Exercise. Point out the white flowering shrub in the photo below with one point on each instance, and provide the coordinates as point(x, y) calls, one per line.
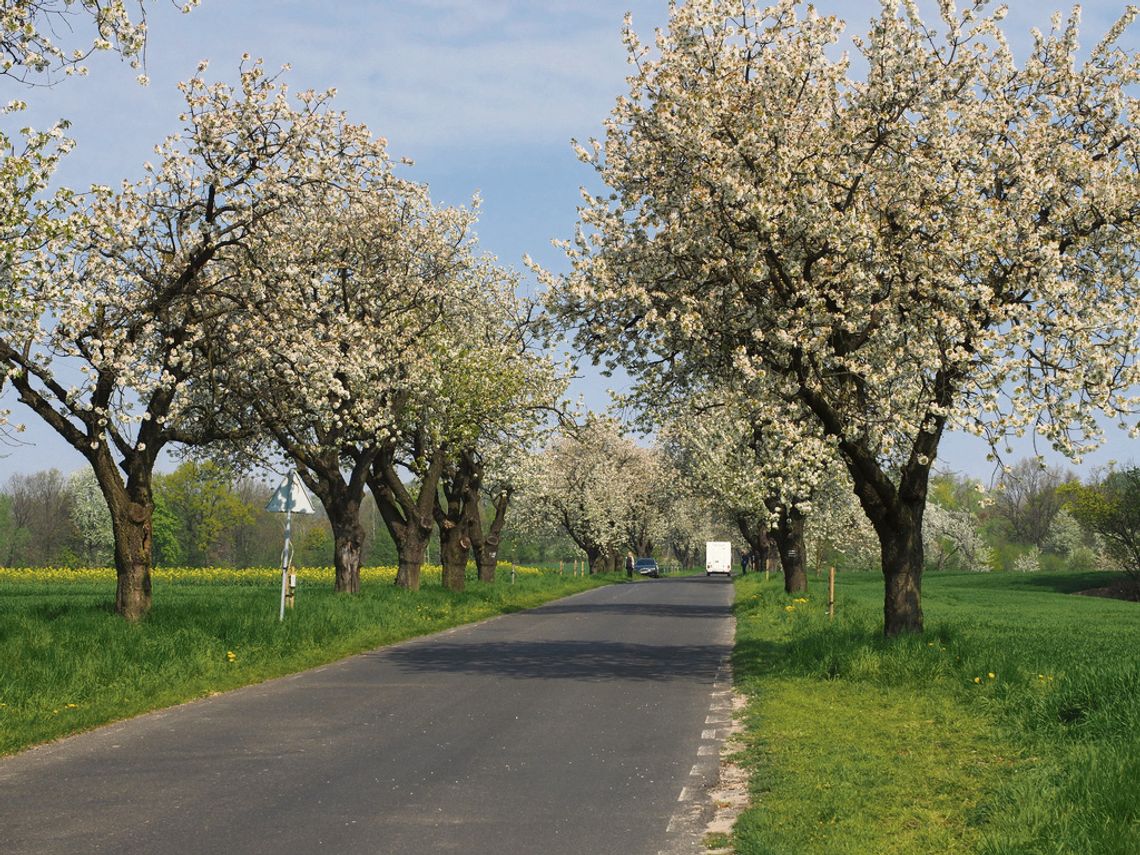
point(952, 540)
point(1028, 562)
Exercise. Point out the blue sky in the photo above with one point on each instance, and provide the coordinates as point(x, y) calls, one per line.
point(484, 96)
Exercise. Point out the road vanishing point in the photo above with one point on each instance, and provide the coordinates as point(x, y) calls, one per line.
point(588, 726)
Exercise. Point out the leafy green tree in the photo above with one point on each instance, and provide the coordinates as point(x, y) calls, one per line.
point(201, 498)
point(1110, 508)
point(10, 534)
point(167, 546)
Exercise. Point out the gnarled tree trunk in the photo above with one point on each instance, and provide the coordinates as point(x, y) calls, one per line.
point(902, 555)
point(341, 498)
point(485, 545)
point(131, 503)
point(409, 519)
point(789, 537)
point(132, 524)
point(454, 547)
point(460, 487)
point(348, 541)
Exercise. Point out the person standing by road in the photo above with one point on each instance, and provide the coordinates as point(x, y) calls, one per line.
point(629, 565)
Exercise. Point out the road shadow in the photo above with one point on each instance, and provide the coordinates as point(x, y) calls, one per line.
point(665, 610)
point(563, 660)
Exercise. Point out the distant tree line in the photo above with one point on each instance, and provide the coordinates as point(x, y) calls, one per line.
point(205, 516)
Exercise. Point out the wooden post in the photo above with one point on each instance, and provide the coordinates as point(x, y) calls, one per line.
point(559, 566)
point(831, 593)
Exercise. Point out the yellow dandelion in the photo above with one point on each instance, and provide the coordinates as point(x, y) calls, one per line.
point(231, 656)
point(991, 675)
point(789, 608)
point(977, 679)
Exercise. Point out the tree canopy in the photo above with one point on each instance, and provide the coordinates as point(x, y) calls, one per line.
point(946, 240)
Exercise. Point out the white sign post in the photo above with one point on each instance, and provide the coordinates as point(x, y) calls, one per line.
point(289, 499)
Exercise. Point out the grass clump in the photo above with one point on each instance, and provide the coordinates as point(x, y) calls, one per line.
point(1011, 726)
point(68, 663)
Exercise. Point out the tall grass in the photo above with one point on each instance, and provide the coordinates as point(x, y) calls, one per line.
point(1011, 726)
point(67, 663)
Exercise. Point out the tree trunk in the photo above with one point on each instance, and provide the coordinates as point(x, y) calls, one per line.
point(486, 545)
point(132, 520)
point(896, 514)
point(460, 488)
point(642, 546)
point(410, 562)
point(454, 547)
point(789, 536)
point(409, 519)
point(132, 523)
point(341, 498)
point(596, 558)
point(902, 555)
point(348, 539)
point(754, 530)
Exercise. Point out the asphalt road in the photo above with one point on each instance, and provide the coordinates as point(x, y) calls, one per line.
point(588, 726)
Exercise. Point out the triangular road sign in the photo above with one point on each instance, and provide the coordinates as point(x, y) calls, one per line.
point(291, 496)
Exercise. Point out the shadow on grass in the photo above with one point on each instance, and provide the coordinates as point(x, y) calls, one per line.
point(1059, 583)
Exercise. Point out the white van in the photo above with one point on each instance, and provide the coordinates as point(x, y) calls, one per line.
point(718, 558)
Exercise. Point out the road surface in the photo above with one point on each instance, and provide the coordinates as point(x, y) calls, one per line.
point(588, 726)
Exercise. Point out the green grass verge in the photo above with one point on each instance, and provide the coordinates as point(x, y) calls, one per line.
point(1011, 726)
point(68, 664)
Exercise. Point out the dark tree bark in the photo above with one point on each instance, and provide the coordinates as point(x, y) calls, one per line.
point(341, 497)
point(754, 530)
point(485, 542)
point(642, 547)
point(902, 569)
point(131, 520)
point(597, 558)
point(895, 512)
point(454, 548)
point(409, 518)
point(452, 517)
point(348, 539)
point(789, 537)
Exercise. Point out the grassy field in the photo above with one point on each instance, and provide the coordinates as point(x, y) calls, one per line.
point(68, 664)
point(1011, 726)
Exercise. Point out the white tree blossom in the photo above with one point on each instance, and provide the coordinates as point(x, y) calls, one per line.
point(30, 52)
point(123, 352)
point(948, 241)
point(952, 540)
point(91, 518)
point(581, 484)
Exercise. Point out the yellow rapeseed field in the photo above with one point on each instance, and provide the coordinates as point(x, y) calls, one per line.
point(221, 575)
